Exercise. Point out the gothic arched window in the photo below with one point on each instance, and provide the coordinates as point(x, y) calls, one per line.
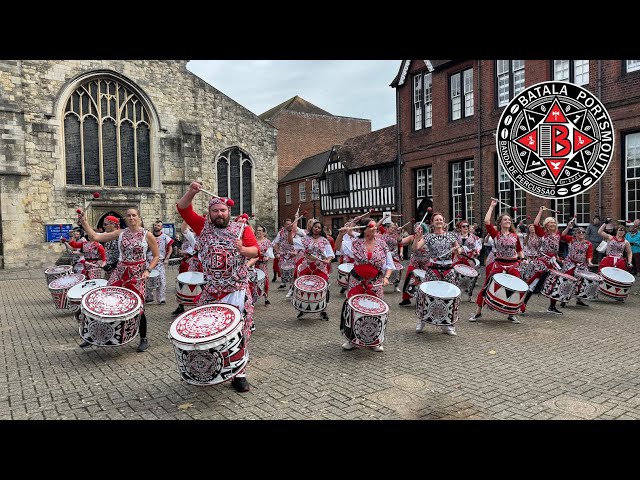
point(235, 179)
point(107, 136)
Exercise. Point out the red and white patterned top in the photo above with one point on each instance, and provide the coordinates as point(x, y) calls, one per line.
point(615, 248)
point(507, 245)
point(549, 244)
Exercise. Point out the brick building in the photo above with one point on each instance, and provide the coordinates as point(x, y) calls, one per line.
point(305, 130)
point(449, 111)
point(137, 131)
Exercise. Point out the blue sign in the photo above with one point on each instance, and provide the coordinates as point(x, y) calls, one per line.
point(169, 229)
point(55, 232)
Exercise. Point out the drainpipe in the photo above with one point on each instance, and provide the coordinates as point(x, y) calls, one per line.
point(480, 139)
point(599, 95)
point(399, 161)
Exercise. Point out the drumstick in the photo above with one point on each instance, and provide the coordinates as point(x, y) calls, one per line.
point(505, 204)
point(209, 193)
point(551, 210)
point(412, 220)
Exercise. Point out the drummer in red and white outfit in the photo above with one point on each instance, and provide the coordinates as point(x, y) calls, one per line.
point(617, 248)
point(132, 271)
point(317, 255)
point(373, 265)
point(440, 245)
point(419, 259)
point(547, 258)
point(390, 236)
point(505, 256)
point(471, 245)
point(224, 260)
point(90, 251)
point(190, 261)
point(165, 247)
point(286, 254)
point(261, 262)
point(579, 257)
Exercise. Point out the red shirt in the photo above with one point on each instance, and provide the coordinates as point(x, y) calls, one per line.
point(196, 222)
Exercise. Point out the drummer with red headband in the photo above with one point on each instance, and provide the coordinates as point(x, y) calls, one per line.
point(504, 257)
point(373, 265)
point(223, 248)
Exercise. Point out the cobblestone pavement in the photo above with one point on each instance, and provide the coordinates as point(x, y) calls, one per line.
point(581, 365)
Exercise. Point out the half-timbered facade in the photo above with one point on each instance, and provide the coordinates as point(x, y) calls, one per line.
point(360, 175)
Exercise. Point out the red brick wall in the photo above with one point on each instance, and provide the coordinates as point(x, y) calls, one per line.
point(289, 210)
point(301, 135)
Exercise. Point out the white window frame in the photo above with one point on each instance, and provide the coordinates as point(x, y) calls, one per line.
point(632, 175)
point(574, 71)
point(511, 194)
point(568, 207)
point(421, 189)
point(429, 181)
point(428, 100)
point(417, 102)
point(510, 77)
point(462, 201)
point(632, 65)
point(302, 191)
point(287, 195)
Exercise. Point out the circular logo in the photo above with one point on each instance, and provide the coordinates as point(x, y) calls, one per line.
point(555, 140)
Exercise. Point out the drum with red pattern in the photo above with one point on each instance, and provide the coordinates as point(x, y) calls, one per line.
point(587, 285)
point(310, 294)
point(209, 344)
point(437, 303)
point(505, 293)
point(416, 277)
point(365, 320)
point(57, 271)
point(465, 276)
point(344, 271)
point(61, 286)
point(616, 283)
point(558, 286)
point(75, 294)
point(189, 287)
point(111, 316)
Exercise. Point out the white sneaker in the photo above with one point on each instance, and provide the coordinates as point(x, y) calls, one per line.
point(378, 348)
point(347, 345)
point(449, 330)
point(397, 289)
point(474, 317)
point(420, 326)
point(289, 293)
point(513, 319)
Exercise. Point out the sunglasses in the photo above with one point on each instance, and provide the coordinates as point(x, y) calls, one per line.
point(463, 226)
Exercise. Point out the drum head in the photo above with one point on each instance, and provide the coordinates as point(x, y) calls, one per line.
point(67, 281)
point(511, 282)
point(111, 302)
point(310, 283)
point(440, 289)
point(345, 267)
point(260, 275)
point(594, 277)
point(419, 273)
point(206, 323)
point(78, 291)
point(466, 270)
point(368, 304)
point(616, 274)
point(58, 269)
point(192, 278)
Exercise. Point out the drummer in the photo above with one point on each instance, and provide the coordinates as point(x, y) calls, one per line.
point(505, 256)
point(190, 261)
point(440, 245)
point(373, 265)
point(390, 236)
point(417, 260)
point(316, 255)
point(261, 262)
point(471, 245)
point(580, 254)
point(617, 246)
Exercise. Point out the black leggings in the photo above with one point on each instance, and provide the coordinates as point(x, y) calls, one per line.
point(143, 326)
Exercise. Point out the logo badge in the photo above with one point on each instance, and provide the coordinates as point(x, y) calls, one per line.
point(555, 140)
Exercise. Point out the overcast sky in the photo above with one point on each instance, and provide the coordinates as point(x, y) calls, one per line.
point(348, 88)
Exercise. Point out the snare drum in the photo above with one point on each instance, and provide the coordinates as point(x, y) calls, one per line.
point(365, 320)
point(344, 271)
point(558, 286)
point(57, 271)
point(153, 281)
point(505, 293)
point(61, 286)
point(437, 303)
point(587, 285)
point(189, 287)
point(75, 294)
point(615, 283)
point(466, 277)
point(209, 344)
point(416, 277)
point(310, 293)
point(111, 316)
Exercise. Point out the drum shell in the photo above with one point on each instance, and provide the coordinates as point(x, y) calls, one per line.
point(416, 277)
point(56, 271)
point(498, 298)
point(307, 300)
point(189, 287)
point(59, 292)
point(558, 286)
point(344, 272)
point(362, 328)
point(434, 309)
point(587, 288)
point(616, 283)
point(74, 301)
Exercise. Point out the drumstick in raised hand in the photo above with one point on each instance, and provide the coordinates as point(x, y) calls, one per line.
point(412, 220)
point(551, 210)
point(505, 204)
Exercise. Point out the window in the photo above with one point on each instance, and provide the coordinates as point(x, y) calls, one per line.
point(632, 65)
point(574, 71)
point(568, 207)
point(632, 175)
point(337, 183)
point(302, 191)
point(315, 190)
point(509, 80)
point(511, 194)
point(424, 183)
point(287, 194)
point(235, 179)
point(107, 136)
point(422, 101)
point(462, 94)
point(462, 186)
point(385, 177)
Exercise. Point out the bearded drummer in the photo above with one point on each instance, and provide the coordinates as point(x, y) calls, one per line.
point(579, 257)
point(505, 256)
point(316, 255)
point(440, 245)
point(372, 265)
point(223, 248)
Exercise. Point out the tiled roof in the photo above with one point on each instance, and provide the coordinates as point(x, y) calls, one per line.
point(377, 147)
point(294, 104)
point(309, 167)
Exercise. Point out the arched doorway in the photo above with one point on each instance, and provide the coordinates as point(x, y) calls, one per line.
point(116, 214)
